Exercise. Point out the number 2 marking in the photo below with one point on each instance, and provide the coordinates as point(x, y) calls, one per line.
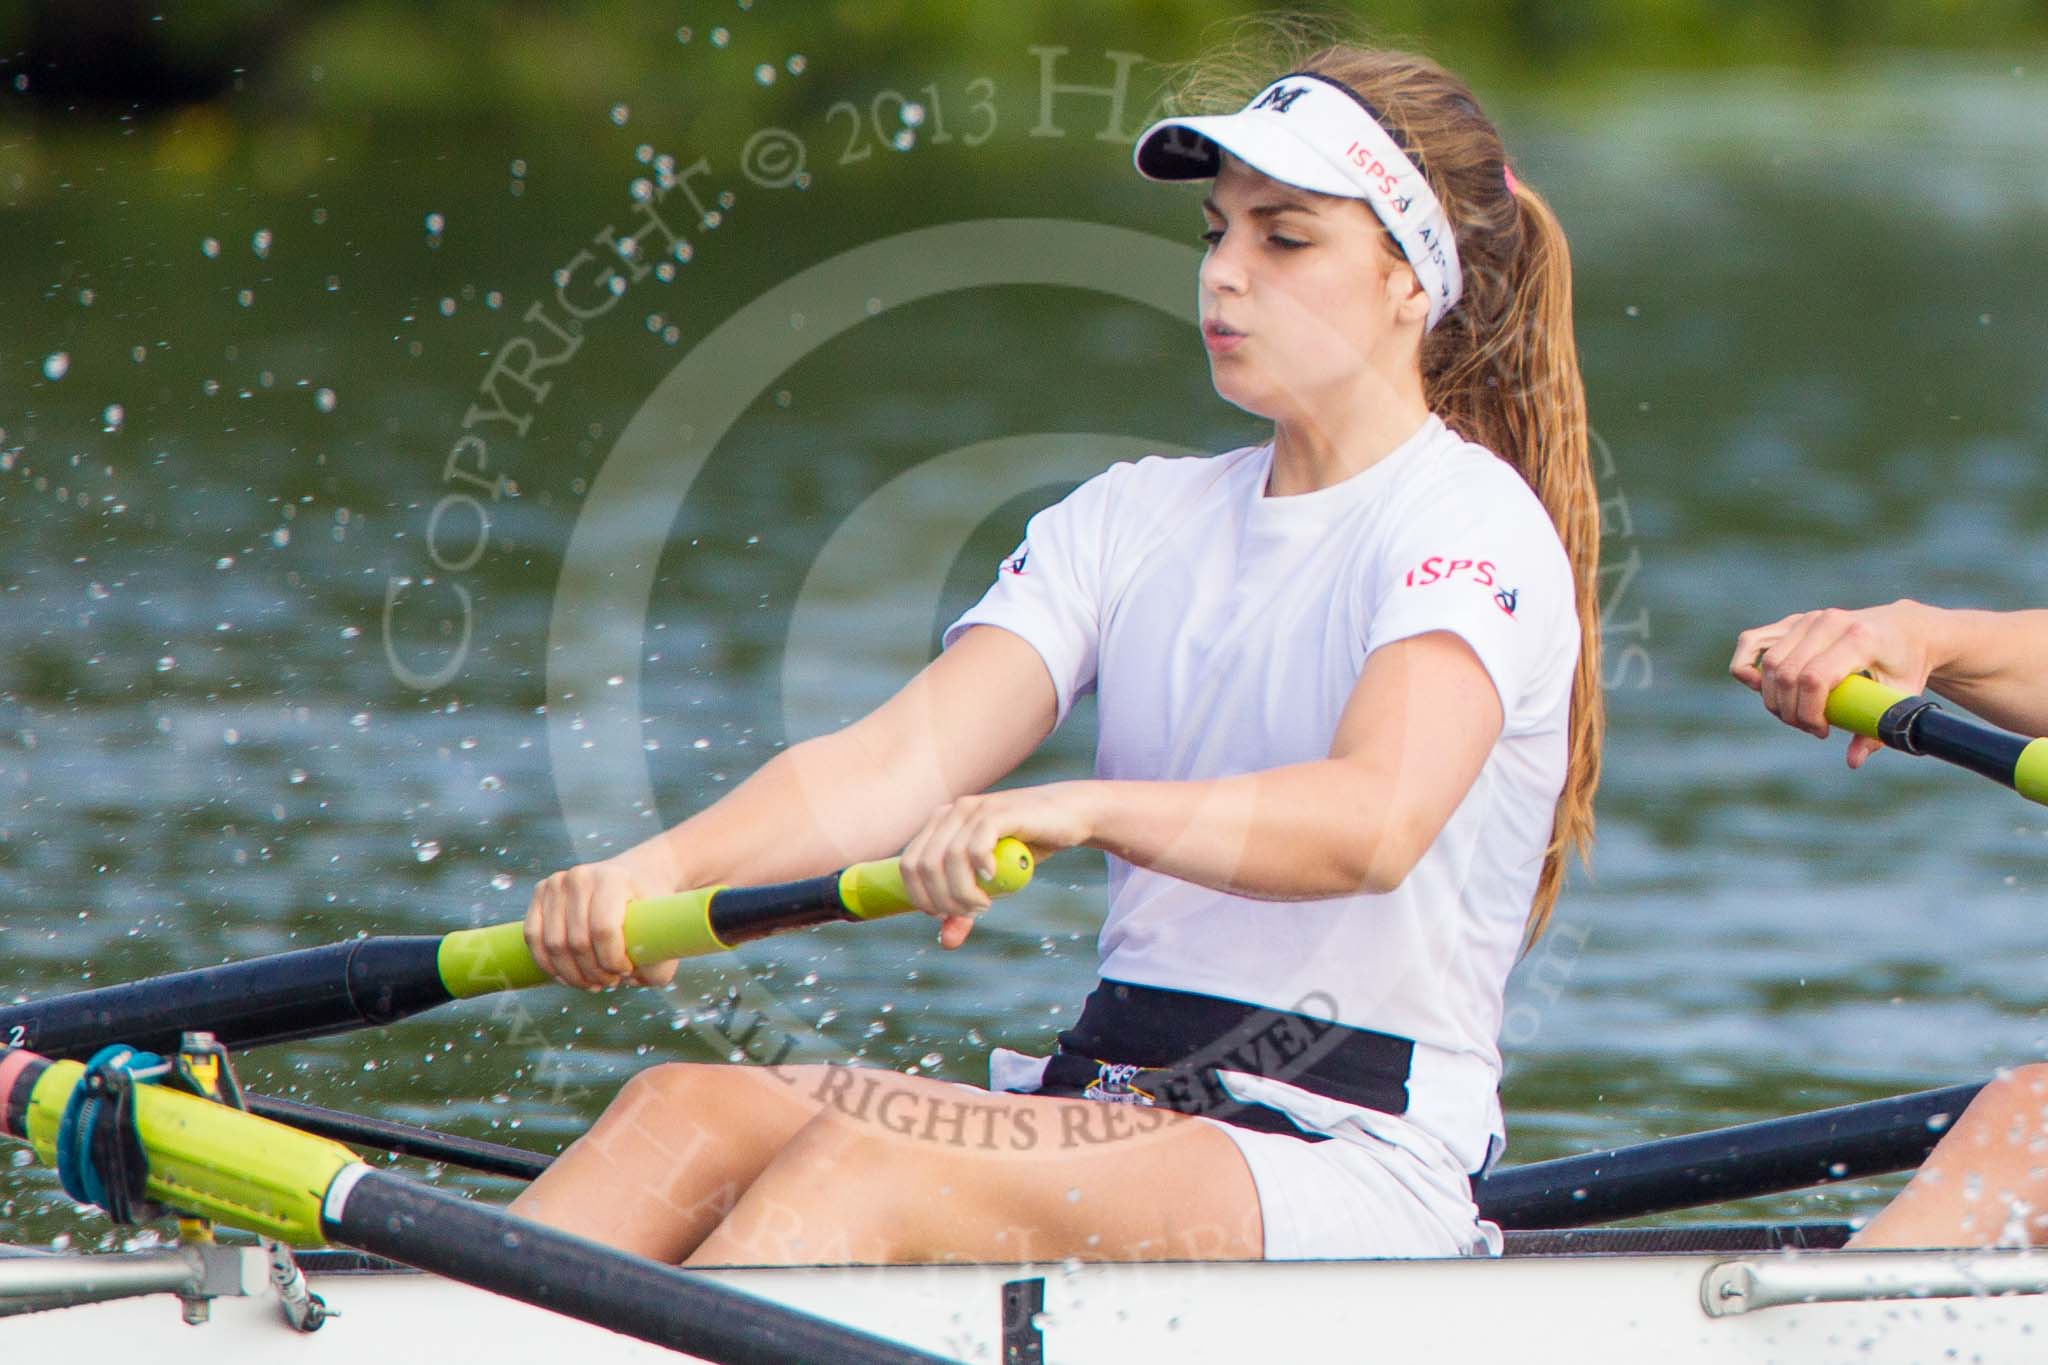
point(854, 151)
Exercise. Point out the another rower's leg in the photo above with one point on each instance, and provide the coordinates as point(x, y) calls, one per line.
point(673, 1153)
point(1985, 1183)
point(922, 1170)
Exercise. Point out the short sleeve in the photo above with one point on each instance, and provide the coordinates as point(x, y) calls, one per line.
point(1484, 563)
point(1049, 590)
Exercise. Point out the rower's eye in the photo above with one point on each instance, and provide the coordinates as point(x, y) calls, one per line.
point(1212, 236)
point(1287, 243)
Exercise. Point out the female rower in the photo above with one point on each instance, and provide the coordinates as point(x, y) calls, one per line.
point(1986, 1182)
point(1349, 726)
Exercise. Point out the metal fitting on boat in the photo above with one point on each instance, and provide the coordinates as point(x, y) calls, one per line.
point(1734, 1287)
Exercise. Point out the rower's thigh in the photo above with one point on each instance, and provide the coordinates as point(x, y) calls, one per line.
point(900, 1168)
point(680, 1112)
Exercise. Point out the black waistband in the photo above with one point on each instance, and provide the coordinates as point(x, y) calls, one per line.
point(1191, 1037)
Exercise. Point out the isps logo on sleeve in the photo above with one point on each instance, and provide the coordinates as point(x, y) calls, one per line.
point(1450, 569)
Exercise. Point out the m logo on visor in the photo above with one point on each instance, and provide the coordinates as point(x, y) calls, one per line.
point(1280, 98)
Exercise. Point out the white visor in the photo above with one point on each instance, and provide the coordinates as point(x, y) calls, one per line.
point(1310, 132)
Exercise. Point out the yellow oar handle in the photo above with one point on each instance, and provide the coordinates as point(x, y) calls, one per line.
point(1857, 702)
point(712, 919)
point(874, 890)
point(1919, 725)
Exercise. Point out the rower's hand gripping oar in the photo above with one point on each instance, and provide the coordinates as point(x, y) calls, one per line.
point(312, 992)
point(1916, 724)
point(713, 920)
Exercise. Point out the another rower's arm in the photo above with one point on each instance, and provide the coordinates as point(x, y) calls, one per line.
point(1992, 662)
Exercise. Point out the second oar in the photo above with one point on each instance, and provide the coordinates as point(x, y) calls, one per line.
point(209, 1160)
point(1916, 724)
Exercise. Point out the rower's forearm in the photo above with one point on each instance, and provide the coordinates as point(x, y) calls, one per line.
point(814, 807)
point(1302, 832)
point(1993, 662)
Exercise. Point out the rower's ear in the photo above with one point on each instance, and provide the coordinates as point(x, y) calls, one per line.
point(1410, 301)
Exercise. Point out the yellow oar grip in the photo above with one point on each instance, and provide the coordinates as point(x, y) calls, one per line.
point(2030, 773)
point(873, 890)
point(1857, 702)
point(482, 961)
point(208, 1159)
point(664, 927)
point(495, 958)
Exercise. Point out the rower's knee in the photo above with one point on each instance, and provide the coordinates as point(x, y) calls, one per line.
point(2029, 1082)
point(2016, 1101)
point(667, 1086)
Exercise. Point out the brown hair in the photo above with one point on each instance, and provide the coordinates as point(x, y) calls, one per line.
point(1501, 369)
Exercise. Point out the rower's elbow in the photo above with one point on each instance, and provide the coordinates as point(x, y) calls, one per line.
point(1343, 866)
point(1351, 841)
point(1384, 874)
point(1381, 860)
point(1335, 878)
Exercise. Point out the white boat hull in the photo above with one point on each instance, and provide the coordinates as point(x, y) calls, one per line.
point(1608, 1308)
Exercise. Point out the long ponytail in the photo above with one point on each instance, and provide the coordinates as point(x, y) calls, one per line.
point(1541, 406)
point(1502, 368)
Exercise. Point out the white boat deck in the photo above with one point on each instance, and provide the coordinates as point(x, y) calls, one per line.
point(1603, 1308)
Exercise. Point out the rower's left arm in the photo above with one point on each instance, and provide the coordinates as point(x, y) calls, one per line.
point(1412, 739)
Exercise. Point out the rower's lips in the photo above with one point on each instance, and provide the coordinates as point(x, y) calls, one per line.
point(1221, 341)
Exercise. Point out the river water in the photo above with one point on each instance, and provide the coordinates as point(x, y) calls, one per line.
point(243, 539)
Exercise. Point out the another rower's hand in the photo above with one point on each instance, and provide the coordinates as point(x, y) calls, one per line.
point(576, 927)
point(943, 865)
point(1794, 663)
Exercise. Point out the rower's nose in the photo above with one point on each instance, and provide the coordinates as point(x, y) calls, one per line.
point(1223, 269)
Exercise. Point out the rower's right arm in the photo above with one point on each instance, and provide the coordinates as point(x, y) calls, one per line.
point(968, 718)
point(1995, 663)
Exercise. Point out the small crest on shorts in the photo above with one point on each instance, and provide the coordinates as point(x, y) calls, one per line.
point(1113, 1084)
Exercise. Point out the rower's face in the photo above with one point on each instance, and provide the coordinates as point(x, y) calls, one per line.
point(1302, 295)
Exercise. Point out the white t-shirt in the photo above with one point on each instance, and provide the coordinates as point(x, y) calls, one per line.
point(1223, 631)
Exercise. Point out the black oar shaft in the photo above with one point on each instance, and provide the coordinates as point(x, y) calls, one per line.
point(312, 992)
point(1968, 744)
point(402, 1139)
point(1918, 725)
point(741, 914)
point(479, 1245)
point(300, 994)
point(1768, 1157)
